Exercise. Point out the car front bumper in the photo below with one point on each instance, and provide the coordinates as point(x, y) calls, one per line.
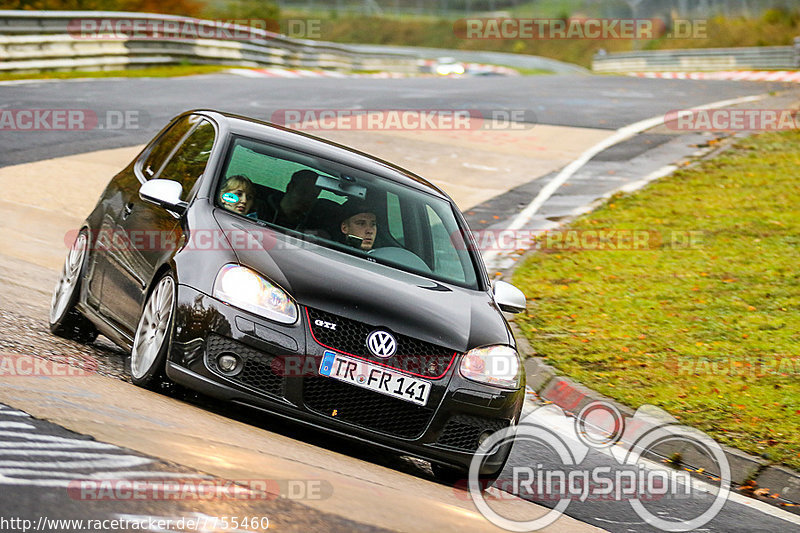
point(280, 375)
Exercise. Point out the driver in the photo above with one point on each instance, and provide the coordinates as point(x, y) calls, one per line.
point(359, 225)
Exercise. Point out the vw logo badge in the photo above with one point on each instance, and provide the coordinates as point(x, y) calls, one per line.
point(381, 343)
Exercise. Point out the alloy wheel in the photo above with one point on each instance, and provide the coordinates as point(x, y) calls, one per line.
point(153, 328)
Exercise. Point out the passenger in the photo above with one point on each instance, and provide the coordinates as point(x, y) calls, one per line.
point(292, 208)
point(238, 194)
point(359, 227)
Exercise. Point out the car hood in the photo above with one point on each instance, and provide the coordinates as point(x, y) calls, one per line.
point(349, 286)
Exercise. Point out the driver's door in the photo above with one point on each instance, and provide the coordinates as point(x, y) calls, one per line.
point(150, 231)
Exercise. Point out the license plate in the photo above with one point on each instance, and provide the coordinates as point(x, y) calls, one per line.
point(374, 377)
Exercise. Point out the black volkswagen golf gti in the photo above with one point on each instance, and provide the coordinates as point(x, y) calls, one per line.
point(280, 271)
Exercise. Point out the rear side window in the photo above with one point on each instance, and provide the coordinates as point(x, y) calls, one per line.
point(164, 145)
point(189, 161)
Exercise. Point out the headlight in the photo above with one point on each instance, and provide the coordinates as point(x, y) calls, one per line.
point(245, 289)
point(493, 365)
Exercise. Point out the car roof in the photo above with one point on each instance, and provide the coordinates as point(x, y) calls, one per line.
point(303, 142)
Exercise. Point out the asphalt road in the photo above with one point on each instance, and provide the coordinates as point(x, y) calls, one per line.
point(578, 101)
point(54, 480)
point(606, 102)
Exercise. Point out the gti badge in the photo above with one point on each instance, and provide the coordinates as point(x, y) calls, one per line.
point(324, 324)
point(381, 343)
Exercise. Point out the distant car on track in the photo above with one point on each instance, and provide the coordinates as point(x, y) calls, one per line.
point(402, 345)
point(448, 66)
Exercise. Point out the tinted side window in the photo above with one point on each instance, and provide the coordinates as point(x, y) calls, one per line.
point(395, 217)
point(164, 145)
point(189, 161)
point(446, 258)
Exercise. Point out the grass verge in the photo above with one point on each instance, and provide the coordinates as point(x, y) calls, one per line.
point(709, 330)
point(774, 27)
point(150, 72)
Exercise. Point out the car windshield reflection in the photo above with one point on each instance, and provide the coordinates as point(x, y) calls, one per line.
point(346, 209)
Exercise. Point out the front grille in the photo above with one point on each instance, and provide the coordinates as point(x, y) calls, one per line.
point(365, 408)
point(257, 373)
point(462, 431)
point(350, 336)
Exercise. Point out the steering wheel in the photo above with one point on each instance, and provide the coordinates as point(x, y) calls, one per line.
point(401, 256)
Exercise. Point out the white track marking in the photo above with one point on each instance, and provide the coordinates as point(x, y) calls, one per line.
point(26, 445)
point(20, 425)
point(109, 461)
point(493, 257)
point(71, 458)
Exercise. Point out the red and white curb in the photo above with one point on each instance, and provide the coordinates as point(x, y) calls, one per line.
point(732, 75)
point(298, 73)
point(472, 69)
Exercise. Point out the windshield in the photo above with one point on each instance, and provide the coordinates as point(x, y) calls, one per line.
point(345, 209)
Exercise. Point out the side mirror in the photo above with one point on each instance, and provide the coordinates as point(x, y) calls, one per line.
point(508, 298)
point(164, 193)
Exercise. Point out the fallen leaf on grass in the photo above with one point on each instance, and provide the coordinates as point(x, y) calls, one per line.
point(748, 485)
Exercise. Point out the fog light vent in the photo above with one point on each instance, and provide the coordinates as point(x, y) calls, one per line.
point(483, 436)
point(229, 363)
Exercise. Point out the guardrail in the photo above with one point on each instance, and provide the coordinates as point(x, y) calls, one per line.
point(47, 40)
point(701, 59)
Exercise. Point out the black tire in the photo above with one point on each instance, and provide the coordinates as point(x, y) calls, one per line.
point(456, 476)
point(153, 335)
point(450, 475)
point(65, 320)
